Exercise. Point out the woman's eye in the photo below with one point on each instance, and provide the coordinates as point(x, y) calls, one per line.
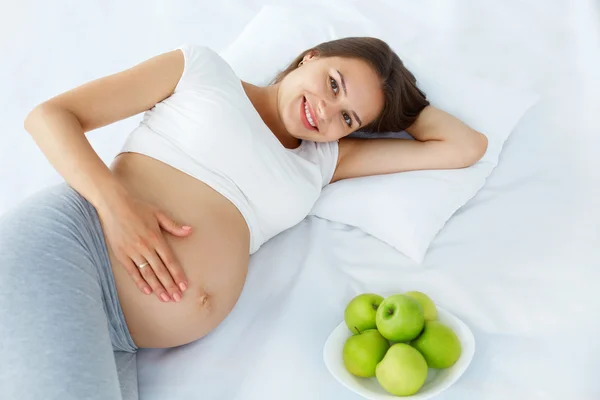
point(334, 85)
point(347, 119)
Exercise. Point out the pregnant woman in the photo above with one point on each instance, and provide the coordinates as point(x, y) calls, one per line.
point(153, 251)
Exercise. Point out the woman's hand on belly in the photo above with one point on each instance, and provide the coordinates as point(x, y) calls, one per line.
point(132, 229)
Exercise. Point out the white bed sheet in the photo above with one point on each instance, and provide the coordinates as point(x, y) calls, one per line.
point(519, 263)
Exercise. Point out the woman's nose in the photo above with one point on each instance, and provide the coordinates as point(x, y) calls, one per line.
point(325, 110)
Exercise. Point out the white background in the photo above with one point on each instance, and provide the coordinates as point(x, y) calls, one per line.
point(519, 263)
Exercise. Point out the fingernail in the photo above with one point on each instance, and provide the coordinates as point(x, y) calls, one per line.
point(176, 296)
point(147, 290)
point(183, 286)
point(164, 297)
point(187, 228)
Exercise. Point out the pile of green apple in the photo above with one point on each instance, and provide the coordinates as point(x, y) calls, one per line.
point(396, 340)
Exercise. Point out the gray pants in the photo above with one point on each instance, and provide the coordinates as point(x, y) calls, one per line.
point(62, 330)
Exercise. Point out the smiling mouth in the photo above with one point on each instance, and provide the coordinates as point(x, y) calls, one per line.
point(307, 117)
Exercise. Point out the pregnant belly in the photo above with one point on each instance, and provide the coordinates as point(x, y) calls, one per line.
point(214, 256)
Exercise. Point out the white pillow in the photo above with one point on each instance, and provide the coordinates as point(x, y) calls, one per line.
point(408, 209)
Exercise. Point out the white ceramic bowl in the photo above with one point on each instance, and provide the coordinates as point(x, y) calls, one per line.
point(437, 381)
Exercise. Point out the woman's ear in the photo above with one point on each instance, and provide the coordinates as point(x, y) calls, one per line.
point(309, 56)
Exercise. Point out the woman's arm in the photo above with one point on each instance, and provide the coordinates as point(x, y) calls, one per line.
point(442, 142)
point(58, 125)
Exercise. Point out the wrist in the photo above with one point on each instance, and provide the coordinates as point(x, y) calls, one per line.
point(109, 196)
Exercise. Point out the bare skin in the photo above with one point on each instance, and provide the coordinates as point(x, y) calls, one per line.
point(214, 256)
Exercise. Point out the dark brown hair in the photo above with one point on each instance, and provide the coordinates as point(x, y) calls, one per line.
point(403, 99)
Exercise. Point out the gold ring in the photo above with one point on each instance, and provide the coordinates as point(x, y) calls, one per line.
point(143, 265)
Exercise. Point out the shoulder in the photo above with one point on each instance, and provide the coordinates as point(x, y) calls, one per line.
point(193, 52)
point(202, 62)
point(325, 155)
point(323, 149)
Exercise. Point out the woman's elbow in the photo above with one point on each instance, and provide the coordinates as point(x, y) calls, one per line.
point(474, 150)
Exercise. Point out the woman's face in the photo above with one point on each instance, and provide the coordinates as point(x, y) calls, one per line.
point(328, 98)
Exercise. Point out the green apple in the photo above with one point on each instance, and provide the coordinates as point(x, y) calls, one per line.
point(400, 318)
point(403, 370)
point(429, 309)
point(362, 352)
point(439, 345)
point(361, 311)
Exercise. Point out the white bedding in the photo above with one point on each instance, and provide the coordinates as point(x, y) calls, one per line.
point(520, 263)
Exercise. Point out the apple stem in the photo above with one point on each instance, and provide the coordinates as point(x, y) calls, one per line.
point(357, 330)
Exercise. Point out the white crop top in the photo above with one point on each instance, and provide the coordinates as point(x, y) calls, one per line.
point(209, 129)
